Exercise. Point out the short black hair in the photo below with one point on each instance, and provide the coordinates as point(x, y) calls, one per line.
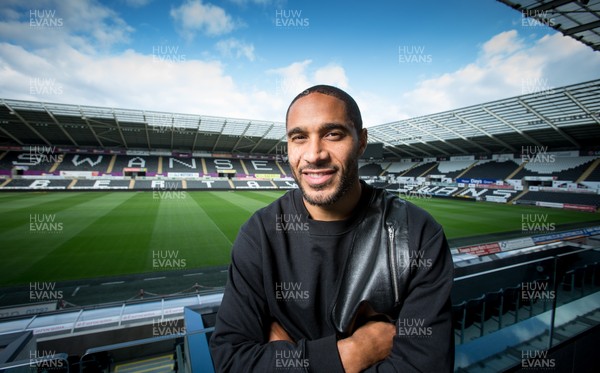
point(352, 110)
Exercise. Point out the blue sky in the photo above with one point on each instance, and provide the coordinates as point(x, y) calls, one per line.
point(248, 58)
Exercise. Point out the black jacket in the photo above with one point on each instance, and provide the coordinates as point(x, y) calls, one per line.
point(398, 268)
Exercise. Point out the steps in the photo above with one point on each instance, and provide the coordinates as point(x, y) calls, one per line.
point(159, 364)
point(589, 170)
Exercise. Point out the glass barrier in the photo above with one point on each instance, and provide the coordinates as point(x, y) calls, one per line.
point(511, 316)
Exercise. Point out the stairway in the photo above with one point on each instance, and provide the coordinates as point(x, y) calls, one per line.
point(159, 364)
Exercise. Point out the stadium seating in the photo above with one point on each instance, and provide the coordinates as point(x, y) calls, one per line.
point(150, 163)
point(595, 175)
point(563, 168)
point(419, 170)
point(262, 166)
point(214, 166)
point(398, 168)
point(558, 197)
point(38, 184)
point(85, 162)
point(208, 184)
point(182, 165)
point(371, 169)
point(252, 184)
point(494, 170)
point(101, 184)
point(450, 169)
point(30, 160)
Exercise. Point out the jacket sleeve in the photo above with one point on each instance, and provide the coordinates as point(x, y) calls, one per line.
point(424, 340)
point(240, 340)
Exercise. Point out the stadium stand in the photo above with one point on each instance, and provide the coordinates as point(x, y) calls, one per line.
point(170, 185)
point(558, 197)
point(101, 184)
point(450, 169)
point(419, 169)
point(147, 162)
point(285, 183)
point(218, 184)
point(262, 166)
point(216, 166)
point(594, 175)
point(31, 161)
point(563, 168)
point(183, 165)
point(85, 162)
point(490, 169)
point(371, 169)
point(252, 184)
point(398, 168)
point(37, 184)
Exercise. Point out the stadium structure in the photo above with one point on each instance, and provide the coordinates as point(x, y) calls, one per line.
point(523, 299)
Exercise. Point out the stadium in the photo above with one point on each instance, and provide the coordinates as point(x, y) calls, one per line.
point(117, 224)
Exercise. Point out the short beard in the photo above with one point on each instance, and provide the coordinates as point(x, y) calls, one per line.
point(347, 180)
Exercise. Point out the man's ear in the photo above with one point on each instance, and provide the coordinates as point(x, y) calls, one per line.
point(362, 142)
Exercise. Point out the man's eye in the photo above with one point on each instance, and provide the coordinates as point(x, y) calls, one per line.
point(334, 135)
point(298, 137)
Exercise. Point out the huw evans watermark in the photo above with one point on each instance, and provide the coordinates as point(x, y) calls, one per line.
point(536, 154)
point(414, 194)
point(167, 327)
point(537, 291)
point(44, 291)
point(290, 18)
point(44, 87)
point(413, 54)
point(45, 223)
point(416, 259)
point(290, 291)
point(281, 154)
point(44, 18)
point(168, 259)
point(290, 359)
point(537, 360)
point(536, 223)
point(167, 190)
point(44, 154)
point(45, 361)
point(539, 86)
point(537, 18)
point(290, 223)
point(167, 53)
point(413, 327)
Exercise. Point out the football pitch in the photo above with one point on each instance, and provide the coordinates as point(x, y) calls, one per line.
point(58, 236)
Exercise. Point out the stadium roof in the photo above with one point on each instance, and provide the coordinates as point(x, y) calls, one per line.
point(567, 117)
point(578, 19)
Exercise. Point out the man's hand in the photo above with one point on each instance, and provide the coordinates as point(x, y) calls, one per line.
point(369, 344)
point(278, 333)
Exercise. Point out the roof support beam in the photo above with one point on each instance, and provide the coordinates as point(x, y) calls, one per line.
point(458, 134)
point(464, 120)
point(437, 137)
point(60, 126)
point(595, 117)
point(549, 122)
point(502, 120)
point(27, 124)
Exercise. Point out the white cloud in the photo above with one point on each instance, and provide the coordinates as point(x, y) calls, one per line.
point(233, 48)
point(193, 16)
point(507, 67)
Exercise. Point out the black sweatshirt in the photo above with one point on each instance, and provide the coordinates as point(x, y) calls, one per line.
point(285, 267)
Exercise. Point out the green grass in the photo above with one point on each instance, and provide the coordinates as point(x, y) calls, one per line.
point(97, 234)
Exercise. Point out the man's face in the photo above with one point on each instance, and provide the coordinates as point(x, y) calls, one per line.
point(323, 148)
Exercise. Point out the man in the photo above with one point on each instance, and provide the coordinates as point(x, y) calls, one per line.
point(336, 276)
